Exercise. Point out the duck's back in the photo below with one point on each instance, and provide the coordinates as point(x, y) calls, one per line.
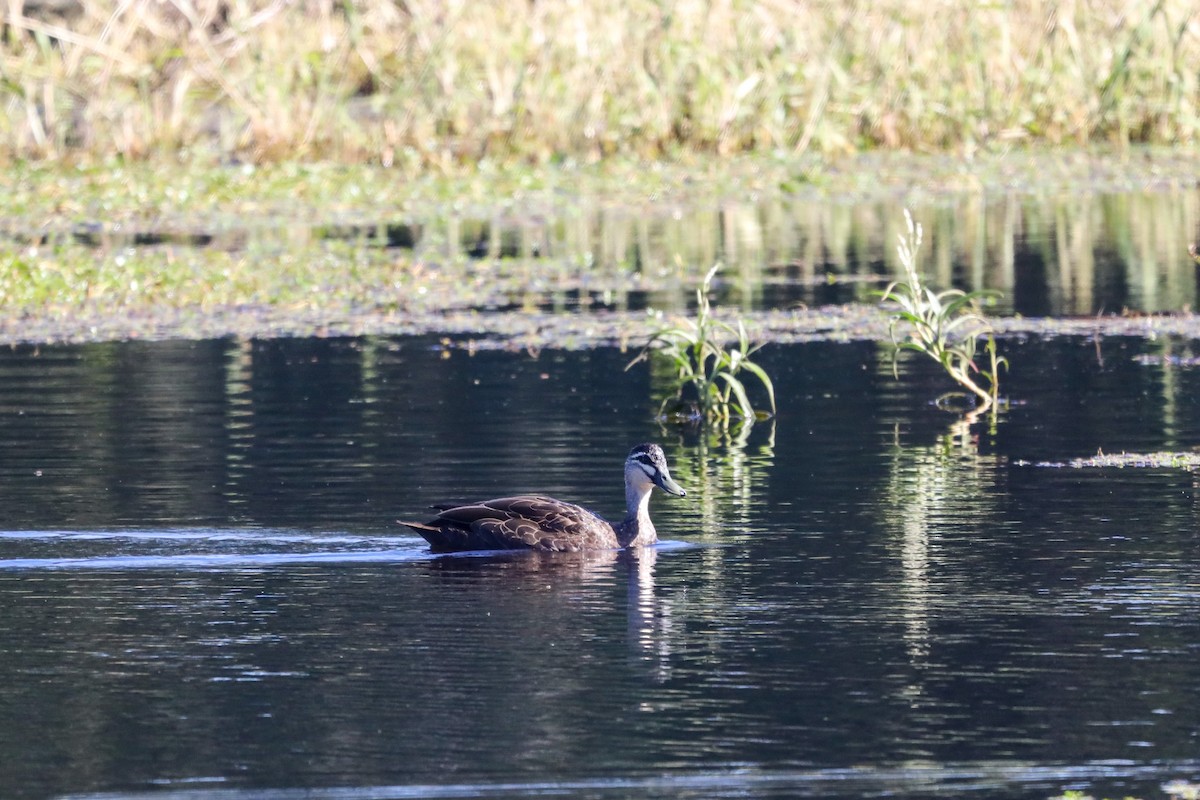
point(522, 522)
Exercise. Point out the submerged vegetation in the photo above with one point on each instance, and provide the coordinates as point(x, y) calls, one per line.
point(945, 326)
point(1185, 460)
point(433, 83)
point(709, 383)
point(1174, 790)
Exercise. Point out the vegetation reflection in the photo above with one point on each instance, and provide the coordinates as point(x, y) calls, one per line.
point(945, 484)
point(727, 467)
point(427, 262)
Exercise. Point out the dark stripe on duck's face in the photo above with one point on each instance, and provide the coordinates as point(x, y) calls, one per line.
point(654, 465)
point(649, 455)
point(651, 471)
point(646, 461)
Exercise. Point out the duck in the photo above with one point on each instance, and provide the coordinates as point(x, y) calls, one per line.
point(537, 522)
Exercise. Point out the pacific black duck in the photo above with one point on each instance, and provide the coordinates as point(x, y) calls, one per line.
point(535, 522)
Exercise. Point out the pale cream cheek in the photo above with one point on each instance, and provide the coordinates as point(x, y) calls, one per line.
point(638, 477)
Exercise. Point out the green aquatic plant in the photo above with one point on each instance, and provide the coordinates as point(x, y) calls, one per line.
point(946, 326)
point(1175, 790)
point(709, 383)
point(1165, 459)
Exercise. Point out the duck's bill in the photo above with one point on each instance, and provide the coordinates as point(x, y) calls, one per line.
point(669, 486)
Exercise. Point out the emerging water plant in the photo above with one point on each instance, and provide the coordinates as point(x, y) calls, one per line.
point(946, 326)
point(1165, 459)
point(706, 367)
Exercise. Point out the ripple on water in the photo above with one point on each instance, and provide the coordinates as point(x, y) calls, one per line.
point(984, 780)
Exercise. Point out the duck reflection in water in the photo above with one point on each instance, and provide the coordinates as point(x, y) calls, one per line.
point(536, 522)
point(555, 587)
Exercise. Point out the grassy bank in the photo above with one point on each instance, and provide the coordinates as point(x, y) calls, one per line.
point(433, 83)
point(138, 251)
point(136, 236)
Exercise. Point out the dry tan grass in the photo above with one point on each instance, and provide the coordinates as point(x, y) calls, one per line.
point(429, 82)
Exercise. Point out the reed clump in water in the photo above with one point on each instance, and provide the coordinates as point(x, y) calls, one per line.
point(945, 326)
point(430, 83)
point(709, 385)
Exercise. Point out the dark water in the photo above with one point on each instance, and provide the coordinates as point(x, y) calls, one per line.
point(203, 593)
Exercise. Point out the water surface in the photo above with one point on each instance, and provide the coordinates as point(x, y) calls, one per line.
point(205, 594)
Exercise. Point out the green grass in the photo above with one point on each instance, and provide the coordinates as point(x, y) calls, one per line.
point(428, 83)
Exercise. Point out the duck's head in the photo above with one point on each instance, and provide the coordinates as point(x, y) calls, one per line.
point(646, 466)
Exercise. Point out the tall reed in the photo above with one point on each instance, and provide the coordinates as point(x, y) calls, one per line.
point(439, 82)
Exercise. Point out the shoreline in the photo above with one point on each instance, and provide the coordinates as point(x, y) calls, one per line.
point(96, 254)
point(472, 331)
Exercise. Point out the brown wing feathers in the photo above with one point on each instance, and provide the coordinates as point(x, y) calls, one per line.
point(526, 521)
